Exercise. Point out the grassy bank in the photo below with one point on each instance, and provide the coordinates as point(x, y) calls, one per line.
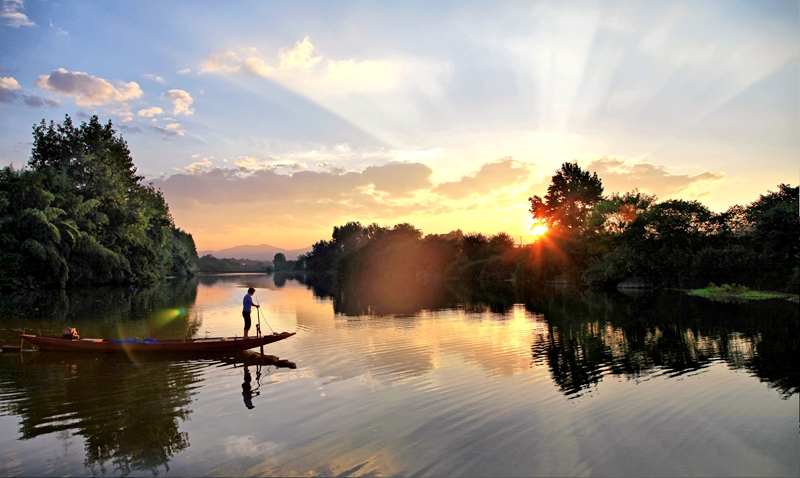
point(729, 292)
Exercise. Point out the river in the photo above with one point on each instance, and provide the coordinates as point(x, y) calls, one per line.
point(449, 382)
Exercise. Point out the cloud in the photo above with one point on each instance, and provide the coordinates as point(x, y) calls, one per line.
point(221, 185)
point(153, 77)
point(9, 90)
point(184, 71)
point(505, 173)
point(39, 102)
point(256, 67)
point(10, 12)
point(88, 90)
point(618, 176)
point(301, 56)
point(150, 112)
point(299, 68)
point(130, 129)
point(199, 166)
point(181, 101)
point(226, 62)
point(175, 131)
point(399, 179)
point(247, 162)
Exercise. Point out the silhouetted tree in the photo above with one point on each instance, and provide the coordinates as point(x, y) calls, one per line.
point(571, 194)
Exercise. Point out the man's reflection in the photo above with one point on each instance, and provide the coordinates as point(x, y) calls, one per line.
point(247, 390)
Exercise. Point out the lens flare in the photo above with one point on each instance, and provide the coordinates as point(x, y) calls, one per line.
point(538, 229)
point(164, 317)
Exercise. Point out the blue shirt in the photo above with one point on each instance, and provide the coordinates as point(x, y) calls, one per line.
point(247, 303)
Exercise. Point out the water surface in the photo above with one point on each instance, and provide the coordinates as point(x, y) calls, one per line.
point(448, 382)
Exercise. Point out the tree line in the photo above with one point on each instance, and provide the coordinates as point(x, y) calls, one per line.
point(591, 239)
point(80, 215)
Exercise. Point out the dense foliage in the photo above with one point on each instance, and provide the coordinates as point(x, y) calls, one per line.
point(80, 215)
point(591, 239)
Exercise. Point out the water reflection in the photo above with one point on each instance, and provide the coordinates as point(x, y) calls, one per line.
point(395, 379)
point(591, 334)
point(128, 415)
point(110, 312)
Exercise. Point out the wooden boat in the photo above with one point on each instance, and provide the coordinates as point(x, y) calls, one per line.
point(217, 344)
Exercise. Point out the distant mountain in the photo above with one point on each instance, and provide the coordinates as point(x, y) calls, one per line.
point(263, 252)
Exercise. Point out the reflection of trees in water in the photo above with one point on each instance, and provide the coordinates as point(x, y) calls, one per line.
point(591, 335)
point(129, 415)
point(108, 303)
point(384, 298)
point(100, 307)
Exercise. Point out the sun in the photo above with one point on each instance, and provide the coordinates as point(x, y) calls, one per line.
point(538, 229)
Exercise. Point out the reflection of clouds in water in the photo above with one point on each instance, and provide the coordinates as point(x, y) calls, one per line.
point(244, 446)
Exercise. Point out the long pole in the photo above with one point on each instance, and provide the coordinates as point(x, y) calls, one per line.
point(258, 329)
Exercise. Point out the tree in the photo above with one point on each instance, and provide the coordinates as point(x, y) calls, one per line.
point(776, 235)
point(500, 244)
point(475, 246)
point(279, 261)
point(571, 194)
point(80, 214)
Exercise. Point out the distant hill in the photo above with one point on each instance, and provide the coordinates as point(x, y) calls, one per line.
point(263, 252)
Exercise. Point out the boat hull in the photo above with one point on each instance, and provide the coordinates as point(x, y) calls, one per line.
point(218, 344)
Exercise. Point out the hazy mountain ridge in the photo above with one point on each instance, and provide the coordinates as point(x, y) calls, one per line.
point(262, 252)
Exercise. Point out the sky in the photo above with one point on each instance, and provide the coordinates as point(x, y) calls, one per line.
point(272, 122)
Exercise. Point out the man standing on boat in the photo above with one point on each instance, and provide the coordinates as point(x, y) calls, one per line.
point(247, 303)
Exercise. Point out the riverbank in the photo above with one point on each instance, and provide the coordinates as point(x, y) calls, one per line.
point(735, 292)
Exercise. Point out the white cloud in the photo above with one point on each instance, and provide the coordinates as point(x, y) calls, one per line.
point(247, 162)
point(11, 91)
point(169, 131)
point(153, 77)
point(184, 71)
point(225, 62)
point(150, 112)
point(200, 166)
point(8, 90)
point(181, 101)
point(10, 12)
point(299, 69)
point(301, 56)
point(88, 90)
